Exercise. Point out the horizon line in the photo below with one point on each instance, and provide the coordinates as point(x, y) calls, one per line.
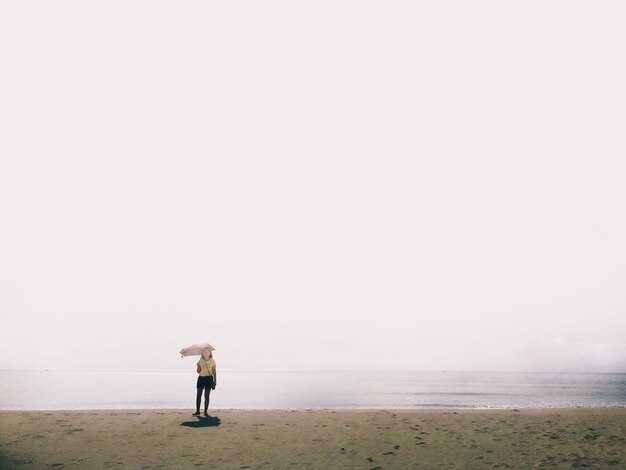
point(323, 370)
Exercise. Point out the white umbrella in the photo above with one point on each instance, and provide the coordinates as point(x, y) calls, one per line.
point(195, 349)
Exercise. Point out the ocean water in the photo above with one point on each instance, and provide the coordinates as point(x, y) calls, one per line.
point(247, 389)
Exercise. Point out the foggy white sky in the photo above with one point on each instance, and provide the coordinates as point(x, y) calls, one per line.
point(322, 184)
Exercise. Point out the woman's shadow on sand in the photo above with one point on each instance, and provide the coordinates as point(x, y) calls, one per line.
point(202, 422)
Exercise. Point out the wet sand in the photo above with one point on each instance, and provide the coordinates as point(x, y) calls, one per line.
point(326, 439)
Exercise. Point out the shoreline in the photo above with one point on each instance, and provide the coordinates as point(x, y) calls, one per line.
point(311, 438)
point(364, 408)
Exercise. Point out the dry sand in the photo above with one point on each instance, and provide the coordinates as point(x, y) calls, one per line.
point(234, 439)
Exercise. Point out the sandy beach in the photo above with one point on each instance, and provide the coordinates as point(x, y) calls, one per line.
point(378, 439)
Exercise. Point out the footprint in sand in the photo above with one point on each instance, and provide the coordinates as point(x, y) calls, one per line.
point(72, 431)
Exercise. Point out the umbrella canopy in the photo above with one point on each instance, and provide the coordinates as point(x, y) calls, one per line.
point(195, 349)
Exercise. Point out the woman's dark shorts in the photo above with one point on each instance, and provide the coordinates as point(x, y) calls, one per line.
point(205, 382)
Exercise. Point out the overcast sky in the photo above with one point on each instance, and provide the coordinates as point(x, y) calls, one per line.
point(320, 184)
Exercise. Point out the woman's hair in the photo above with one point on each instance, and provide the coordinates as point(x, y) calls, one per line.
point(210, 353)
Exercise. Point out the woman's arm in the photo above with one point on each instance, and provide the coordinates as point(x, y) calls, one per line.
point(214, 376)
point(198, 369)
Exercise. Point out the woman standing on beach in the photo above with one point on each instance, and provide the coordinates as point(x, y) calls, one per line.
point(207, 380)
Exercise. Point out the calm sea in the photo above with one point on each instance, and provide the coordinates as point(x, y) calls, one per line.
point(110, 389)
